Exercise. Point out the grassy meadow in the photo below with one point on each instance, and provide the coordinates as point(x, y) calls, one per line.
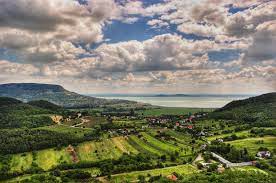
point(253, 144)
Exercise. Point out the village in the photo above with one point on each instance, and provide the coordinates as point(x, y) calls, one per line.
point(115, 126)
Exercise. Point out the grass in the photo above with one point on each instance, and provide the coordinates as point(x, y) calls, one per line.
point(143, 146)
point(253, 144)
point(171, 111)
point(123, 145)
point(21, 162)
point(105, 149)
point(250, 169)
point(77, 132)
point(162, 146)
point(45, 159)
point(87, 152)
point(239, 134)
point(133, 176)
point(50, 158)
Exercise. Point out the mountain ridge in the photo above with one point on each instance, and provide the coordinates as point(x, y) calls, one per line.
point(56, 94)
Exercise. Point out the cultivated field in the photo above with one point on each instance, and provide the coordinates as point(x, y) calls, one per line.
point(253, 144)
point(133, 176)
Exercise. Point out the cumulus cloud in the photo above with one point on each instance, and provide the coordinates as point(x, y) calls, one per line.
point(165, 52)
point(8, 68)
point(264, 43)
point(55, 40)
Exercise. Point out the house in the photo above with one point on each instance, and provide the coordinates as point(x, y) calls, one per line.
point(263, 154)
point(205, 165)
point(221, 169)
point(220, 140)
point(172, 177)
point(202, 133)
point(79, 115)
point(203, 147)
point(190, 127)
point(145, 127)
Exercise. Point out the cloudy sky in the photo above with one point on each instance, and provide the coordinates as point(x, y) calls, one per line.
point(140, 46)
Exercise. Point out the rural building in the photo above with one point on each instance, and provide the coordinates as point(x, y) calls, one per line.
point(264, 154)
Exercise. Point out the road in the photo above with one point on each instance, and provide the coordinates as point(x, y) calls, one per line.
point(229, 164)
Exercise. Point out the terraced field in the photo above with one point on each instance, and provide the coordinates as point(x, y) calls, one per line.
point(45, 159)
point(109, 148)
point(106, 149)
point(143, 146)
point(88, 151)
point(133, 176)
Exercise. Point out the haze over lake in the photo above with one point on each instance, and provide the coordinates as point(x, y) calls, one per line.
point(192, 101)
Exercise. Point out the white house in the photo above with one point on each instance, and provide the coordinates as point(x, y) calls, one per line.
point(264, 154)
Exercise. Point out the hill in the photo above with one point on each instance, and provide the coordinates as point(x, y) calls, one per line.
point(45, 105)
point(55, 94)
point(16, 114)
point(5, 101)
point(249, 110)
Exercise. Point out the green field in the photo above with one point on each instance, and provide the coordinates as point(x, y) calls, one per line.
point(253, 144)
point(250, 169)
point(172, 111)
point(239, 134)
point(45, 159)
point(133, 176)
point(77, 132)
point(142, 146)
point(89, 151)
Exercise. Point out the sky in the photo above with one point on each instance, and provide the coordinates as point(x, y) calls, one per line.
point(140, 46)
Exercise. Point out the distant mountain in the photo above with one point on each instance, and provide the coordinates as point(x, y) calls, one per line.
point(55, 94)
point(251, 109)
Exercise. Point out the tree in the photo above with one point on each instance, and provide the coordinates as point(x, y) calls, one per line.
point(142, 179)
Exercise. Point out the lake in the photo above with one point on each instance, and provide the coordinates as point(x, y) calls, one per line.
point(191, 101)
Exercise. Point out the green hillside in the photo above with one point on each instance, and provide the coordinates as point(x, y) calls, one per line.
point(253, 109)
point(45, 105)
point(6, 101)
point(15, 114)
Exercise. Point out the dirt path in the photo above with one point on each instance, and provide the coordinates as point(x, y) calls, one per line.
point(198, 158)
point(82, 122)
point(71, 150)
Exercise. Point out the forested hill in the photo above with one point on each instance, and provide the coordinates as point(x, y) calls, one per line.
point(16, 114)
point(251, 109)
point(55, 94)
point(6, 101)
point(45, 105)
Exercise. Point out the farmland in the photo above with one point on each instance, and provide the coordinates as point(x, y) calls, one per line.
point(253, 144)
point(133, 176)
point(129, 145)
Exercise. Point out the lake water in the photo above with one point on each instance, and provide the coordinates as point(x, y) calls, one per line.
point(199, 101)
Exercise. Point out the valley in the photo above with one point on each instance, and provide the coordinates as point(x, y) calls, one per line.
point(42, 142)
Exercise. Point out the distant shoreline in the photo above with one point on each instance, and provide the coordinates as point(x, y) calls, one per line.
point(170, 95)
point(184, 101)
